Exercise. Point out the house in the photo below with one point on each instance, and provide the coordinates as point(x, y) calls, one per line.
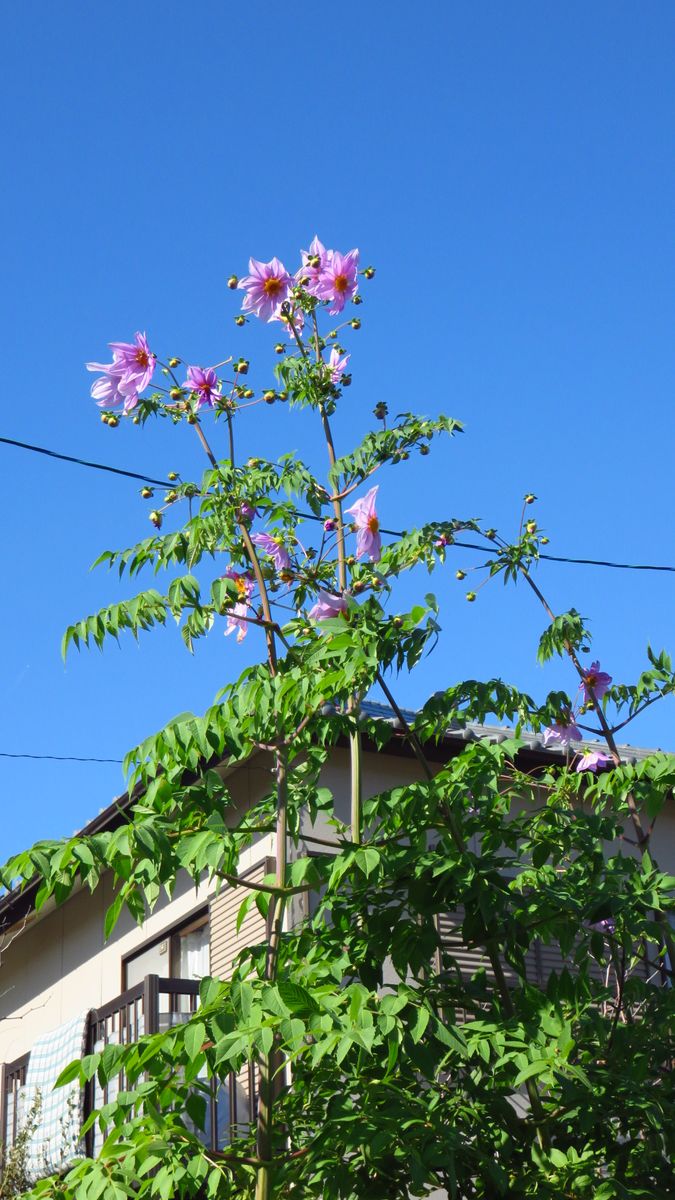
point(65, 990)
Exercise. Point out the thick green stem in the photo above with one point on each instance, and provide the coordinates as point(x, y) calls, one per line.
point(270, 1066)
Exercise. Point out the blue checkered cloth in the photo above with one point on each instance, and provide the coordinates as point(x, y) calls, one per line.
point(55, 1144)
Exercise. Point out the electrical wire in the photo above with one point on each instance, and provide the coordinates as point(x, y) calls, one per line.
point(559, 558)
point(60, 757)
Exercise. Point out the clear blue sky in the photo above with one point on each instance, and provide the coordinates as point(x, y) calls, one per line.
point(509, 170)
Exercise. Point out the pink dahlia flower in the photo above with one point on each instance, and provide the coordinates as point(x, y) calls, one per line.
point(368, 540)
point(593, 760)
point(235, 618)
point(266, 288)
point(273, 547)
point(128, 374)
point(338, 281)
point(337, 365)
point(327, 605)
point(561, 734)
point(205, 383)
point(313, 273)
point(596, 682)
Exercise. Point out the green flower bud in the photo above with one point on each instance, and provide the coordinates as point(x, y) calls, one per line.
point(355, 323)
point(176, 393)
point(174, 362)
point(279, 348)
point(171, 497)
point(146, 493)
point(356, 299)
point(248, 393)
point(369, 272)
point(471, 596)
point(530, 498)
point(240, 319)
point(531, 527)
point(269, 397)
point(241, 367)
point(232, 282)
point(156, 518)
point(491, 534)
point(424, 449)
point(460, 575)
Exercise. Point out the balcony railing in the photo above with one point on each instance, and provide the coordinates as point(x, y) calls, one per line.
point(151, 1006)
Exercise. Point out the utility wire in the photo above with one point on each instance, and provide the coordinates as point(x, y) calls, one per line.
point(559, 558)
point(82, 462)
point(60, 757)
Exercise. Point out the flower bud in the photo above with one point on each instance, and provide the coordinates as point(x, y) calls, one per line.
point(104, 418)
point(113, 421)
point(332, 334)
point(240, 320)
point(165, 371)
point(282, 395)
point(544, 541)
point(156, 518)
point(491, 534)
point(191, 419)
point(248, 393)
point(146, 493)
point(358, 586)
point(171, 497)
point(346, 380)
point(241, 367)
point(232, 282)
point(174, 362)
point(471, 596)
point(253, 462)
point(530, 498)
point(424, 449)
point(172, 476)
point(355, 323)
point(397, 622)
point(313, 260)
point(405, 455)
point(531, 527)
point(279, 348)
point(136, 419)
point(350, 560)
point(176, 393)
point(329, 525)
point(269, 397)
point(356, 299)
point(369, 272)
point(460, 575)
point(380, 410)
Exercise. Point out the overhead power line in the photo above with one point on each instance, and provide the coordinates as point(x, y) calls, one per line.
point(60, 757)
point(559, 558)
point(83, 462)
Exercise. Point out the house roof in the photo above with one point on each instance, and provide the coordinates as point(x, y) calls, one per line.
point(15, 905)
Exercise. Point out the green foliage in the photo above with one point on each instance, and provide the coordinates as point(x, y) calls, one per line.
point(474, 998)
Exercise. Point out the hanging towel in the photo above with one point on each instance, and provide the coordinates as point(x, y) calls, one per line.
point(55, 1143)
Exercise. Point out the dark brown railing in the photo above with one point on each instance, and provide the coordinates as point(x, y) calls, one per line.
point(151, 1006)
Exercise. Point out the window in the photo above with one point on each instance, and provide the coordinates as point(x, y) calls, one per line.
point(178, 953)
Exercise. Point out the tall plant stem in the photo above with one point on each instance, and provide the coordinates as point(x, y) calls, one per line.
point(268, 1075)
point(355, 749)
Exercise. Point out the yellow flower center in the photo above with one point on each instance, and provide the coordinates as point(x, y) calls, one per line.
point(142, 357)
point(241, 589)
point(373, 524)
point(341, 283)
point(272, 286)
